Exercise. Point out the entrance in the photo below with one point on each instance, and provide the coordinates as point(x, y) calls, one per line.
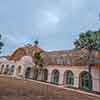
point(55, 77)
point(85, 81)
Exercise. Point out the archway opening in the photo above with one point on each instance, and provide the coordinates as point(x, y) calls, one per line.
point(55, 77)
point(12, 70)
point(19, 69)
point(35, 75)
point(28, 73)
point(1, 69)
point(85, 81)
point(45, 72)
point(69, 78)
point(6, 69)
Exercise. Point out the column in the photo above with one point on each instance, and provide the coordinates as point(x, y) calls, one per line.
point(76, 80)
point(61, 77)
point(49, 75)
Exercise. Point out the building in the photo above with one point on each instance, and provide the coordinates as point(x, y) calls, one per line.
point(67, 68)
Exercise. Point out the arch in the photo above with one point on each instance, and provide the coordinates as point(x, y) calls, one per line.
point(55, 77)
point(85, 80)
point(35, 75)
point(6, 71)
point(28, 72)
point(12, 69)
point(19, 69)
point(45, 72)
point(68, 78)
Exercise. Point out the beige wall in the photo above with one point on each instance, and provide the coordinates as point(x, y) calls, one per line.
point(76, 70)
point(96, 78)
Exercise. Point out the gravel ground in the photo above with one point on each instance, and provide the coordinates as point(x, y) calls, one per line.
point(11, 89)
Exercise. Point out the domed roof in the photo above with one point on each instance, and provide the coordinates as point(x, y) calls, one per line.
point(26, 60)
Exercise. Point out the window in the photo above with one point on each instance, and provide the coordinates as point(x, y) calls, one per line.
point(62, 60)
point(58, 60)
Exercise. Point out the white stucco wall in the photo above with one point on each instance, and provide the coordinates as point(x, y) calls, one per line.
point(96, 78)
point(75, 69)
point(95, 73)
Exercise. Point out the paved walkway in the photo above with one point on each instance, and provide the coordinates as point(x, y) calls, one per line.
point(33, 90)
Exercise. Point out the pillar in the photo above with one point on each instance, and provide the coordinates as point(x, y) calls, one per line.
point(49, 75)
point(76, 80)
point(61, 77)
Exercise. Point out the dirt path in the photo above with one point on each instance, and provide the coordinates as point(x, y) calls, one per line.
point(11, 89)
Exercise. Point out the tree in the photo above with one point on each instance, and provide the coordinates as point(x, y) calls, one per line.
point(37, 56)
point(1, 43)
point(89, 40)
point(38, 59)
point(39, 64)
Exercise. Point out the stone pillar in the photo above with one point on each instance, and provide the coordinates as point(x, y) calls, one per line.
point(31, 74)
point(96, 84)
point(49, 75)
point(61, 77)
point(40, 75)
point(15, 72)
point(4, 69)
point(76, 80)
point(21, 75)
point(96, 79)
point(23, 72)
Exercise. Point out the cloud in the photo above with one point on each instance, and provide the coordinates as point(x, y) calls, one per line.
point(50, 21)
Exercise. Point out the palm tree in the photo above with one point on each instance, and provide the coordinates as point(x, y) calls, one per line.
point(90, 41)
point(39, 64)
point(37, 56)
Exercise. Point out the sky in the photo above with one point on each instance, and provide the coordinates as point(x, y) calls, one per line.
point(56, 24)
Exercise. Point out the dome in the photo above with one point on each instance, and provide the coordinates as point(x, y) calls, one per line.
point(26, 60)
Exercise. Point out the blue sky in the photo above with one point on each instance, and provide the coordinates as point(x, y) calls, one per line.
point(55, 23)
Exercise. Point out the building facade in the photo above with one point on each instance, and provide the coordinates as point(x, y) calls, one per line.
point(66, 68)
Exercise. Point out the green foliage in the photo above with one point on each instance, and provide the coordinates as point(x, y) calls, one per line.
point(89, 40)
point(1, 43)
point(38, 56)
point(38, 59)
